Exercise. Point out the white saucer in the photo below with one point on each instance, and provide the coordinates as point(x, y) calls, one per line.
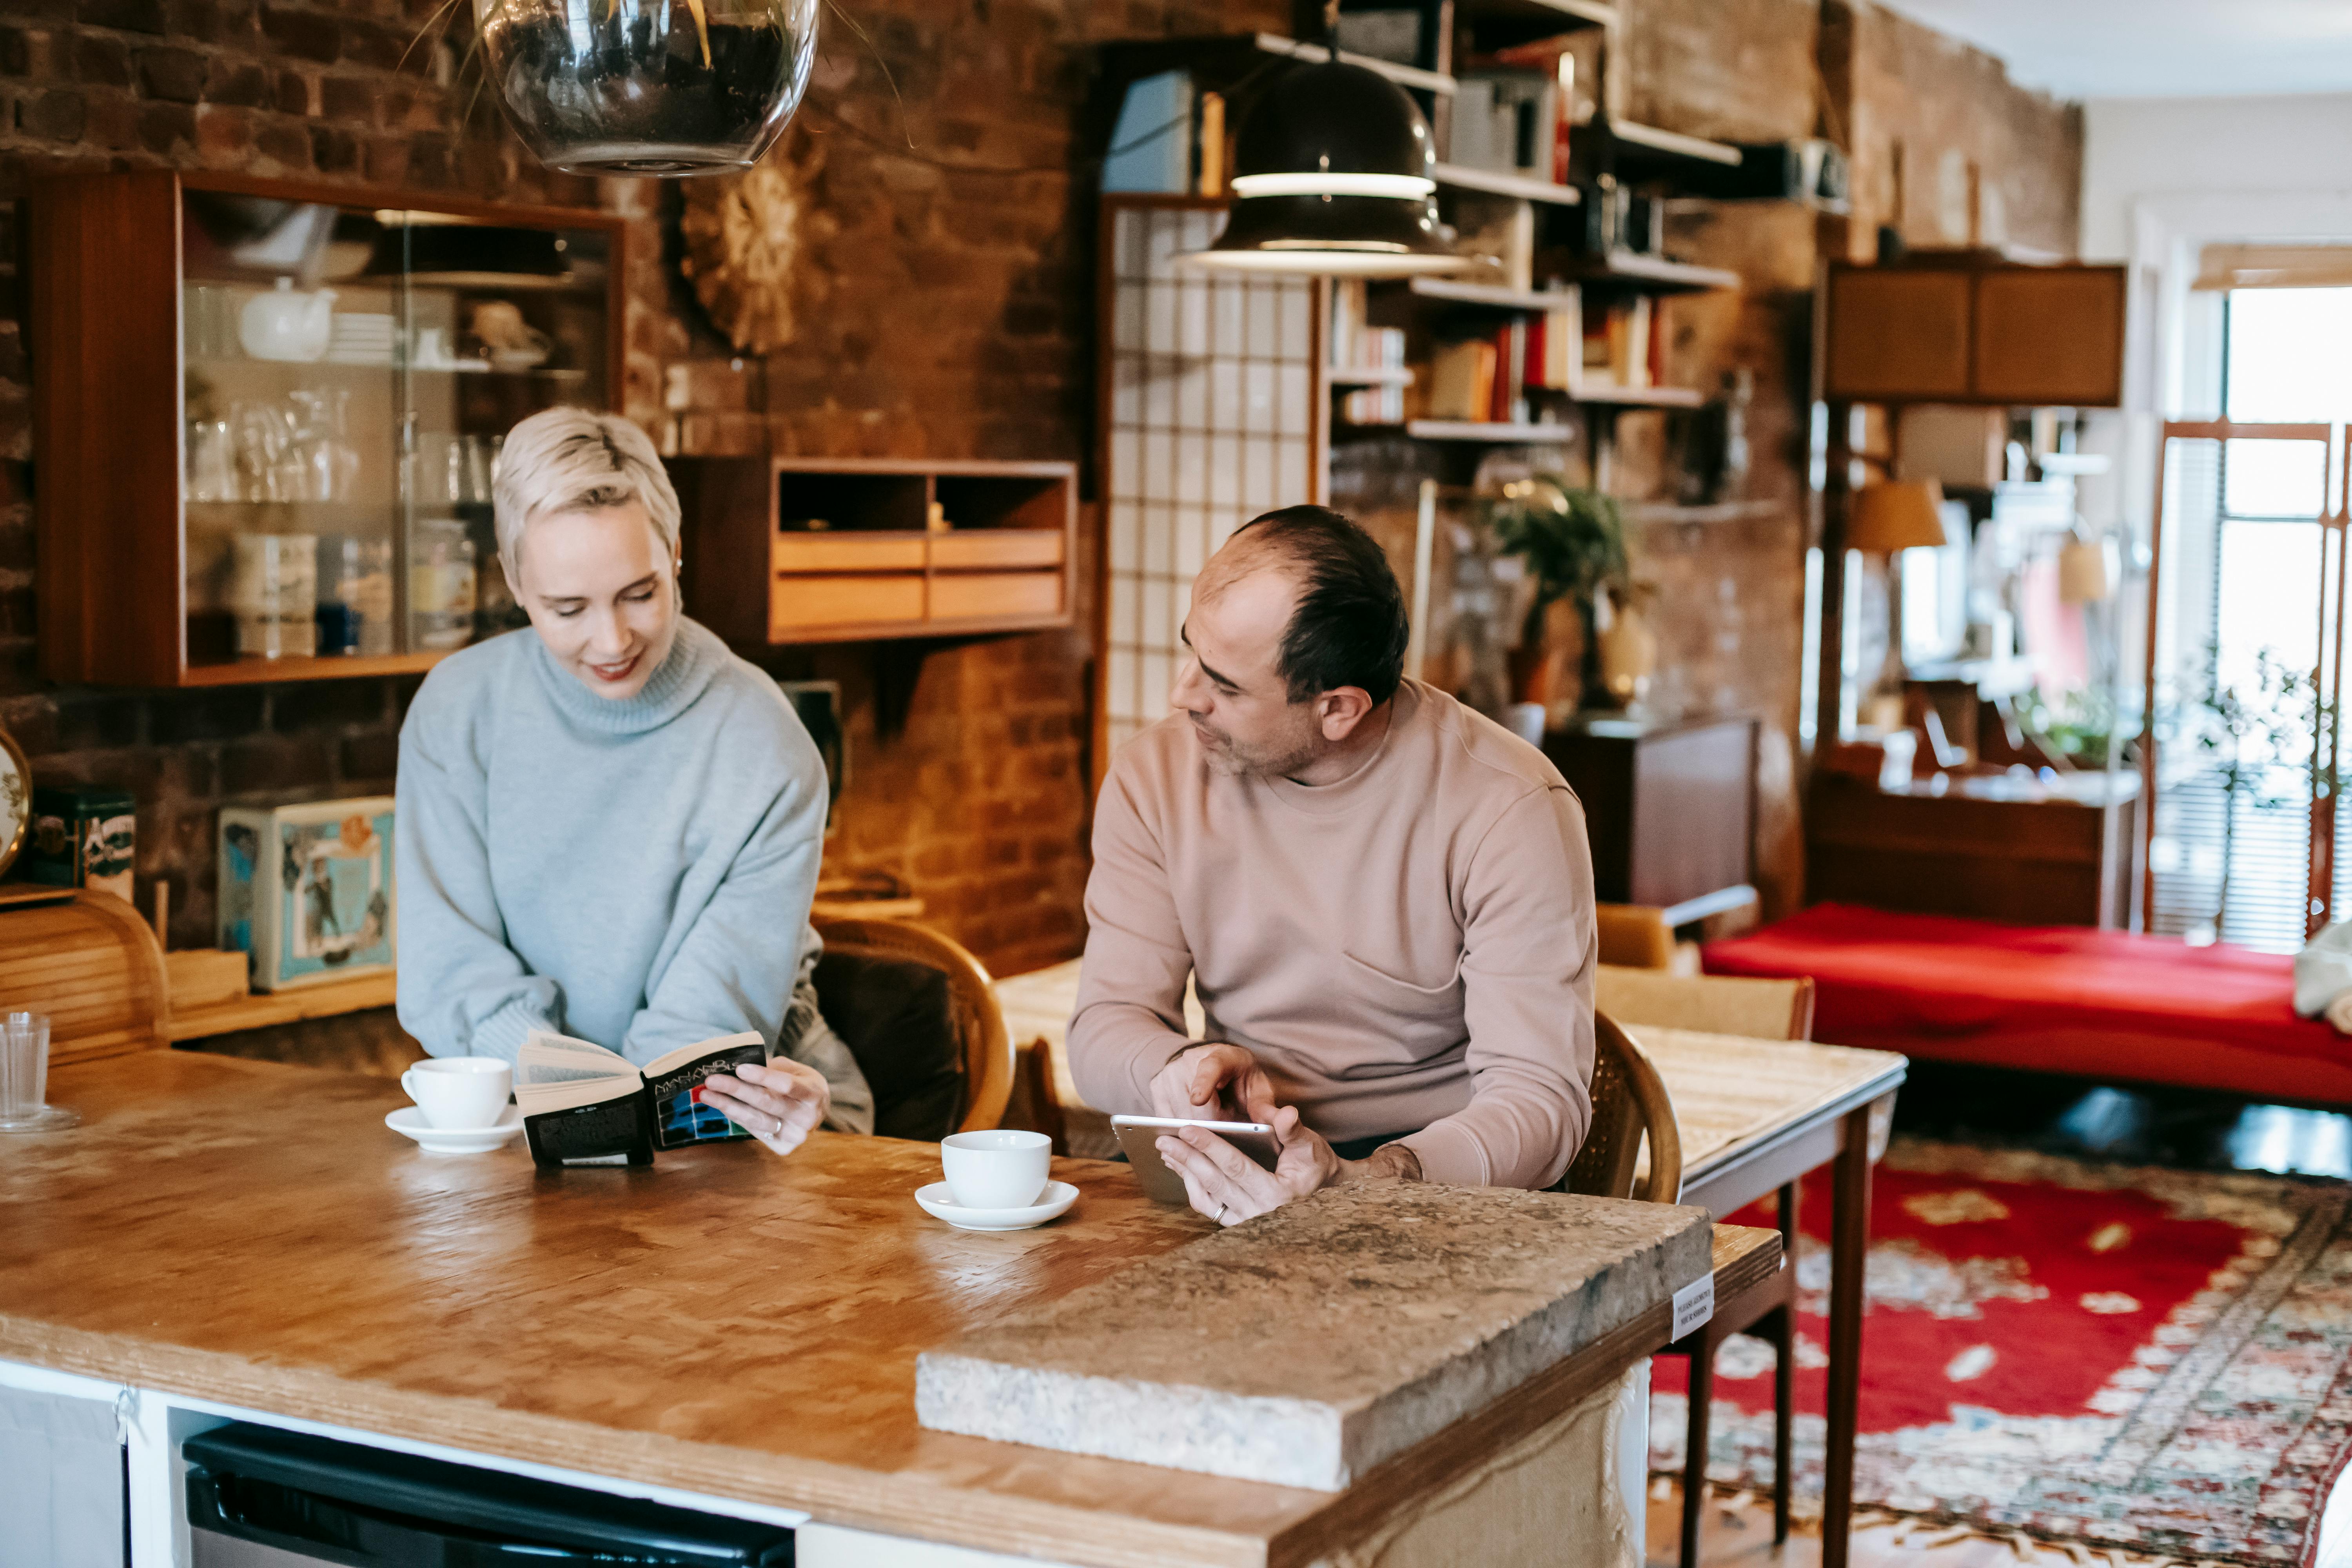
point(940, 1204)
point(409, 1122)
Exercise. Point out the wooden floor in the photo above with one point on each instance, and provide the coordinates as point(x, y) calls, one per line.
point(1739, 1535)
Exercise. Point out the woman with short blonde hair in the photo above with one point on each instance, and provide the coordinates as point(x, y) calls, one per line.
point(610, 826)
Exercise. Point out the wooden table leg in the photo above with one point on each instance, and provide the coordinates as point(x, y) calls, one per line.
point(1849, 1244)
point(1695, 1441)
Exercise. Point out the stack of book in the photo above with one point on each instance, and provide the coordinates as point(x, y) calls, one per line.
point(1170, 140)
point(1513, 119)
point(1623, 347)
point(1489, 380)
point(1356, 345)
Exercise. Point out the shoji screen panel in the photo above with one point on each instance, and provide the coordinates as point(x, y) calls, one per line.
point(1209, 418)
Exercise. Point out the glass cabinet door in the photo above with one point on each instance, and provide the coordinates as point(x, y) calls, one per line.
point(351, 373)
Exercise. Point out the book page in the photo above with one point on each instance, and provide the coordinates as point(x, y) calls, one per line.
point(550, 1057)
point(538, 1099)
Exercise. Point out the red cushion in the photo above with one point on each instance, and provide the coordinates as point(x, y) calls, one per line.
point(2099, 1004)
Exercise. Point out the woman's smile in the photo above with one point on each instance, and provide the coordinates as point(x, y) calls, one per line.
point(615, 672)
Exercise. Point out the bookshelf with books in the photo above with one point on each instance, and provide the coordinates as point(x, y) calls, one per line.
point(1539, 170)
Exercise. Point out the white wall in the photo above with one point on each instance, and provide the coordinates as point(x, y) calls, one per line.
point(2141, 147)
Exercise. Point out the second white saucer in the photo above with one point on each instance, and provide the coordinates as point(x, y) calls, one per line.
point(939, 1203)
point(409, 1122)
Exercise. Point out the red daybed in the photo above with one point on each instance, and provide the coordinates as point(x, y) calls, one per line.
point(2065, 999)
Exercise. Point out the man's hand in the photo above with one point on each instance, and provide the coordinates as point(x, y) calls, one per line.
point(1213, 1082)
point(1229, 1186)
point(780, 1104)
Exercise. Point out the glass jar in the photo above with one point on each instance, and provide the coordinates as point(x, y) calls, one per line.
point(440, 585)
point(275, 592)
point(354, 595)
point(695, 87)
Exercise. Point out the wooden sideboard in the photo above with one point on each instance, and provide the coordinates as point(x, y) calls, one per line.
point(1670, 806)
point(1985, 848)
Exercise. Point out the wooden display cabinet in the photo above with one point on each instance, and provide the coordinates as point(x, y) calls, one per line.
point(807, 550)
point(165, 433)
point(1963, 329)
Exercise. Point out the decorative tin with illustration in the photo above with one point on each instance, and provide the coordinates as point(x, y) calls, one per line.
point(308, 890)
point(82, 837)
point(15, 799)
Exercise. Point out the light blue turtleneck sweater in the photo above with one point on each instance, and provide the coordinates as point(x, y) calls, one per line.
point(637, 873)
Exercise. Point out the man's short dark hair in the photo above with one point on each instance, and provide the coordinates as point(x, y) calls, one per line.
point(1349, 625)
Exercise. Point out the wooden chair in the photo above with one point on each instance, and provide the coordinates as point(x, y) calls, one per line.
point(1635, 935)
point(1761, 1009)
point(988, 1059)
point(1714, 1004)
point(1629, 1105)
point(88, 961)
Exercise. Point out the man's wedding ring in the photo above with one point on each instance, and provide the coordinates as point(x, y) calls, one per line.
point(1221, 1214)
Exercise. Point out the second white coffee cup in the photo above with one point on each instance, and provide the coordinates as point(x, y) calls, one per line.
point(460, 1092)
point(998, 1170)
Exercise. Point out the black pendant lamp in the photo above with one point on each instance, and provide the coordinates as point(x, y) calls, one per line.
point(1332, 177)
point(648, 87)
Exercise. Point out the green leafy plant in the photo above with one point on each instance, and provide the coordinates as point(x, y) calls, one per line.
point(1573, 539)
point(2079, 725)
point(2258, 741)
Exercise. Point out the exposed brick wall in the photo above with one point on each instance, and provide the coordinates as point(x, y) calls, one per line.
point(1950, 110)
point(944, 313)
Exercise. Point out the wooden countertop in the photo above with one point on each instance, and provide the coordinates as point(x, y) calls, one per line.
point(727, 1322)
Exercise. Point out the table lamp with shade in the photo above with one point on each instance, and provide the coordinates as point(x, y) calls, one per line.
point(1887, 519)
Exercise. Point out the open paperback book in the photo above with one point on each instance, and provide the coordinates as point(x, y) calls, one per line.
point(584, 1105)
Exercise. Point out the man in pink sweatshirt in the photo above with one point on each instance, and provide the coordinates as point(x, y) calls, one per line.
point(1385, 900)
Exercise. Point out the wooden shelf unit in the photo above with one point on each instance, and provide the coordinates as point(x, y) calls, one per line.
point(759, 576)
point(132, 571)
point(1635, 396)
point(1493, 183)
point(1492, 297)
point(1626, 271)
point(1495, 25)
point(1493, 432)
point(263, 1010)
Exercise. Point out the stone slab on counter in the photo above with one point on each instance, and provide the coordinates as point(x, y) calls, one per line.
point(1309, 1344)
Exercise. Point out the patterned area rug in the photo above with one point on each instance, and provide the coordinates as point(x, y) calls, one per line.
point(2157, 1361)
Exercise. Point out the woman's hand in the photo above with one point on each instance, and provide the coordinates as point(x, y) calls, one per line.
point(780, 1104)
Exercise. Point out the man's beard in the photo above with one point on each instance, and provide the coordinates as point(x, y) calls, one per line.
point(1293, 753)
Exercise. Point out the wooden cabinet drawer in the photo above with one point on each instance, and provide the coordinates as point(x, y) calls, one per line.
point(987, 595)
point(800, 604)
point(997, 548)
point(847, 552)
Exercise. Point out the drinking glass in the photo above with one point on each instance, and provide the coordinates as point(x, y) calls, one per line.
point(212, 462)
point(24, 1077)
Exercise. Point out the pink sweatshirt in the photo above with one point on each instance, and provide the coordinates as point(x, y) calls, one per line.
point(1409, 950)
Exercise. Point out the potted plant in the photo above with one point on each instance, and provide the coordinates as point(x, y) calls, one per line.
point(1573, 539)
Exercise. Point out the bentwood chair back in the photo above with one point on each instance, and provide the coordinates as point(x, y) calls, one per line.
point(1764, 1010)
point(1630, 1106)
point(1713, 1004)
point(1635, 936)
point(974, 1016)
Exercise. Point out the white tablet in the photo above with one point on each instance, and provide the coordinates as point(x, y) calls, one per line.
point(1140, 1135)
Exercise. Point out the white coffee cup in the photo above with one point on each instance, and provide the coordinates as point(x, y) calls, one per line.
point(999, 1170)
point(458, 1093)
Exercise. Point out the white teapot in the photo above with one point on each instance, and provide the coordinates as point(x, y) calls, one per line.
point(285, 324)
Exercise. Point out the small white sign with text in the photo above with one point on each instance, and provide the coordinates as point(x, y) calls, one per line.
point(1693, 1305)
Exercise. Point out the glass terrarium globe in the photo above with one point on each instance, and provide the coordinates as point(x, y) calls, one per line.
point(648, 87)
